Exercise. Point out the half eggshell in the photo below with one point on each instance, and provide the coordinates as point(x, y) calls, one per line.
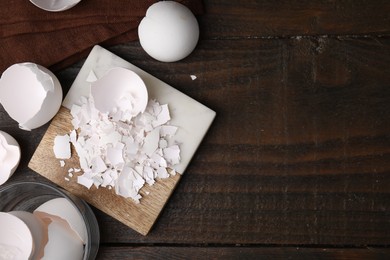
point(31, 94)
point(120, 89)
point(55, 5)
point(9, 156)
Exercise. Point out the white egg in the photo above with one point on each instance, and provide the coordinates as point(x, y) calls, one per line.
point(55, 5)
point(38, 230)
point(62, 208)
point(9, 156)
point(120, 89)
point(30, 94)
point(16, 241)
point(63, 243)
point(169, 31)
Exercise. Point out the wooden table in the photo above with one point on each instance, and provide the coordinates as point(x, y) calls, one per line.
point(297, 162)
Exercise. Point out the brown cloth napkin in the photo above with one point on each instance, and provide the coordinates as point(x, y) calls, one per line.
point(57, 39)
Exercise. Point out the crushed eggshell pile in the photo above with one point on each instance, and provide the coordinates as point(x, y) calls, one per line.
point(122, 142)
point(55, 230)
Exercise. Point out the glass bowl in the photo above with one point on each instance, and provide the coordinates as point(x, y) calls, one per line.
point(27, 196)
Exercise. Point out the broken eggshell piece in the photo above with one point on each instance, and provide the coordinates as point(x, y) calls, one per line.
point(63, 243)
point(9, 156)
point(63, 209)
point(55, 5)
point(38, 230)
point(120, 91)
point(34, 86)
point(16, 241)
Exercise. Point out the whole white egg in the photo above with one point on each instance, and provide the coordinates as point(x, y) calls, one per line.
point(169, 32)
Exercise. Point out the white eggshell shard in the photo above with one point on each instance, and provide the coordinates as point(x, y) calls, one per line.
point(38, 230)
point(34, 86)
point(16, 241)
point(63, 243)
point(63, 209)
point(55, 5)
point(169, 32)
point(9, 156)
point(120, 91)
point(61, 147)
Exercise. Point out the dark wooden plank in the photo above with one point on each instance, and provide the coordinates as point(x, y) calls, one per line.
point(173, 252)
point(265, 18)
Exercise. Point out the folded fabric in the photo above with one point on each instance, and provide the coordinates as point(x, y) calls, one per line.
point(55, 39)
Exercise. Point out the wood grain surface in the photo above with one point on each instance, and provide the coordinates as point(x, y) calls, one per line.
point(299, 155)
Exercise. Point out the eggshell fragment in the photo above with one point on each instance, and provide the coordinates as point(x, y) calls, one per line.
point(36, 88)
point(55, 5)
point(62, 147)
point(16, 241)
point(120, 91)
point(63, 209)
point(9, 156)
point(38, 230)
point(169, 32)
point(63, 243)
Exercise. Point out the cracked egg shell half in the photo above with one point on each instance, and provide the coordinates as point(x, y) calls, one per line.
point(120, 90)
point(9, 156)
point(55, 5)
point(63, 209)
point(31, 94)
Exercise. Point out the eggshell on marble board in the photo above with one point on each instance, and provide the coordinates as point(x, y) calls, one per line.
point(112, 92)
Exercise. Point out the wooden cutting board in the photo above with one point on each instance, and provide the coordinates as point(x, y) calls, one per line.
point(192, 118)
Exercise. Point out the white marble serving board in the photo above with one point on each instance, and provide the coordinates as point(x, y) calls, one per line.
point(192, 118)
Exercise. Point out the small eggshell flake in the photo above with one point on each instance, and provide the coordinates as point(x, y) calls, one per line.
point(63, 209)
point(9, 156)
point(62, 147)
point(36, 88)
point(91, 77)
point(119, 91)
point(169, 32)
point(55, 5)
point(16, 240)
